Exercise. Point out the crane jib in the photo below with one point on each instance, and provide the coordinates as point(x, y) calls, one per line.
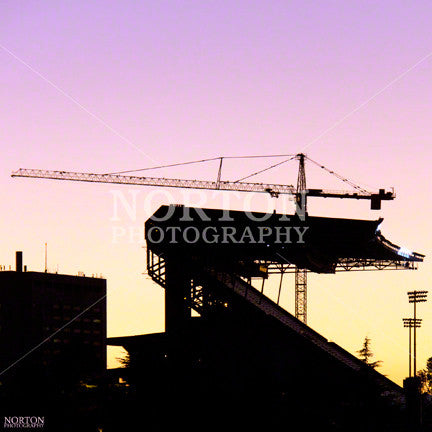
point(272, 189)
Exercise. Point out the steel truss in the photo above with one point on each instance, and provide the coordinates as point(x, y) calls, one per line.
point(203, 300)
point(156, 266)
point(346, 264)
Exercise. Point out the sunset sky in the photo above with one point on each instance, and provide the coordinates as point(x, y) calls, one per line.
point(107, 86)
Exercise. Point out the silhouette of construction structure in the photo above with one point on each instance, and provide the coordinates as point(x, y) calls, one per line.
point(231, 357)
point(299, 193)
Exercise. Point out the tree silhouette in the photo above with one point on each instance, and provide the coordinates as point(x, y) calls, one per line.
point(365, 354)
point(425, 376)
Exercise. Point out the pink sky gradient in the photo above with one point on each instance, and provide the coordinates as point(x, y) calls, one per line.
point(112, 85)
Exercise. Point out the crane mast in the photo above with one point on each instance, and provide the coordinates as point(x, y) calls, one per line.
point(301, 273)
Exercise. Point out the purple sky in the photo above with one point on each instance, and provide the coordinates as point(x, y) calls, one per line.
point(106, 86)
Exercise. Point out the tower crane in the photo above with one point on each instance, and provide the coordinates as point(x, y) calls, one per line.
point(300, 193)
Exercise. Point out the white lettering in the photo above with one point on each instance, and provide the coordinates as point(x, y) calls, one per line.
point(264, 232)
point(301, 234)
point(173, 233)
point(136, 234)
point(117, 232)
point(185, 234)
point(247, 233)
point(130, 208)
point(158, 231)
point(215, 235)
point(229, 234)
point(283, 232)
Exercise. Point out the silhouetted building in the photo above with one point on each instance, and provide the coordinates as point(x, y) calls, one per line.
point(52, 328)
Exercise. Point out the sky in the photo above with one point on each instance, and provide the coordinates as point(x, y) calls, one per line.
point(107, 86)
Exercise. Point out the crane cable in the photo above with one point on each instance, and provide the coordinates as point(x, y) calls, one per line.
point(200, 161)
point(163, 166)
point(345, 180)
point(265, 169)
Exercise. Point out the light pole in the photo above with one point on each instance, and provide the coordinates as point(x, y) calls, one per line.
point(410, 323)
point(416, 297)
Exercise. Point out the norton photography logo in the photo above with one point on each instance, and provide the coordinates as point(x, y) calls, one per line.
point(27, 422)
point(182, 226)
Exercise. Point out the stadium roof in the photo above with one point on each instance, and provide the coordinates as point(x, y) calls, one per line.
point(316, 243)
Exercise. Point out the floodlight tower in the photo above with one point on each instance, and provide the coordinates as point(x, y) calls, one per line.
point(411, 323)
point(416, 297)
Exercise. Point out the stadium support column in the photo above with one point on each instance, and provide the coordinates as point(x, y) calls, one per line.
point(177, 292)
